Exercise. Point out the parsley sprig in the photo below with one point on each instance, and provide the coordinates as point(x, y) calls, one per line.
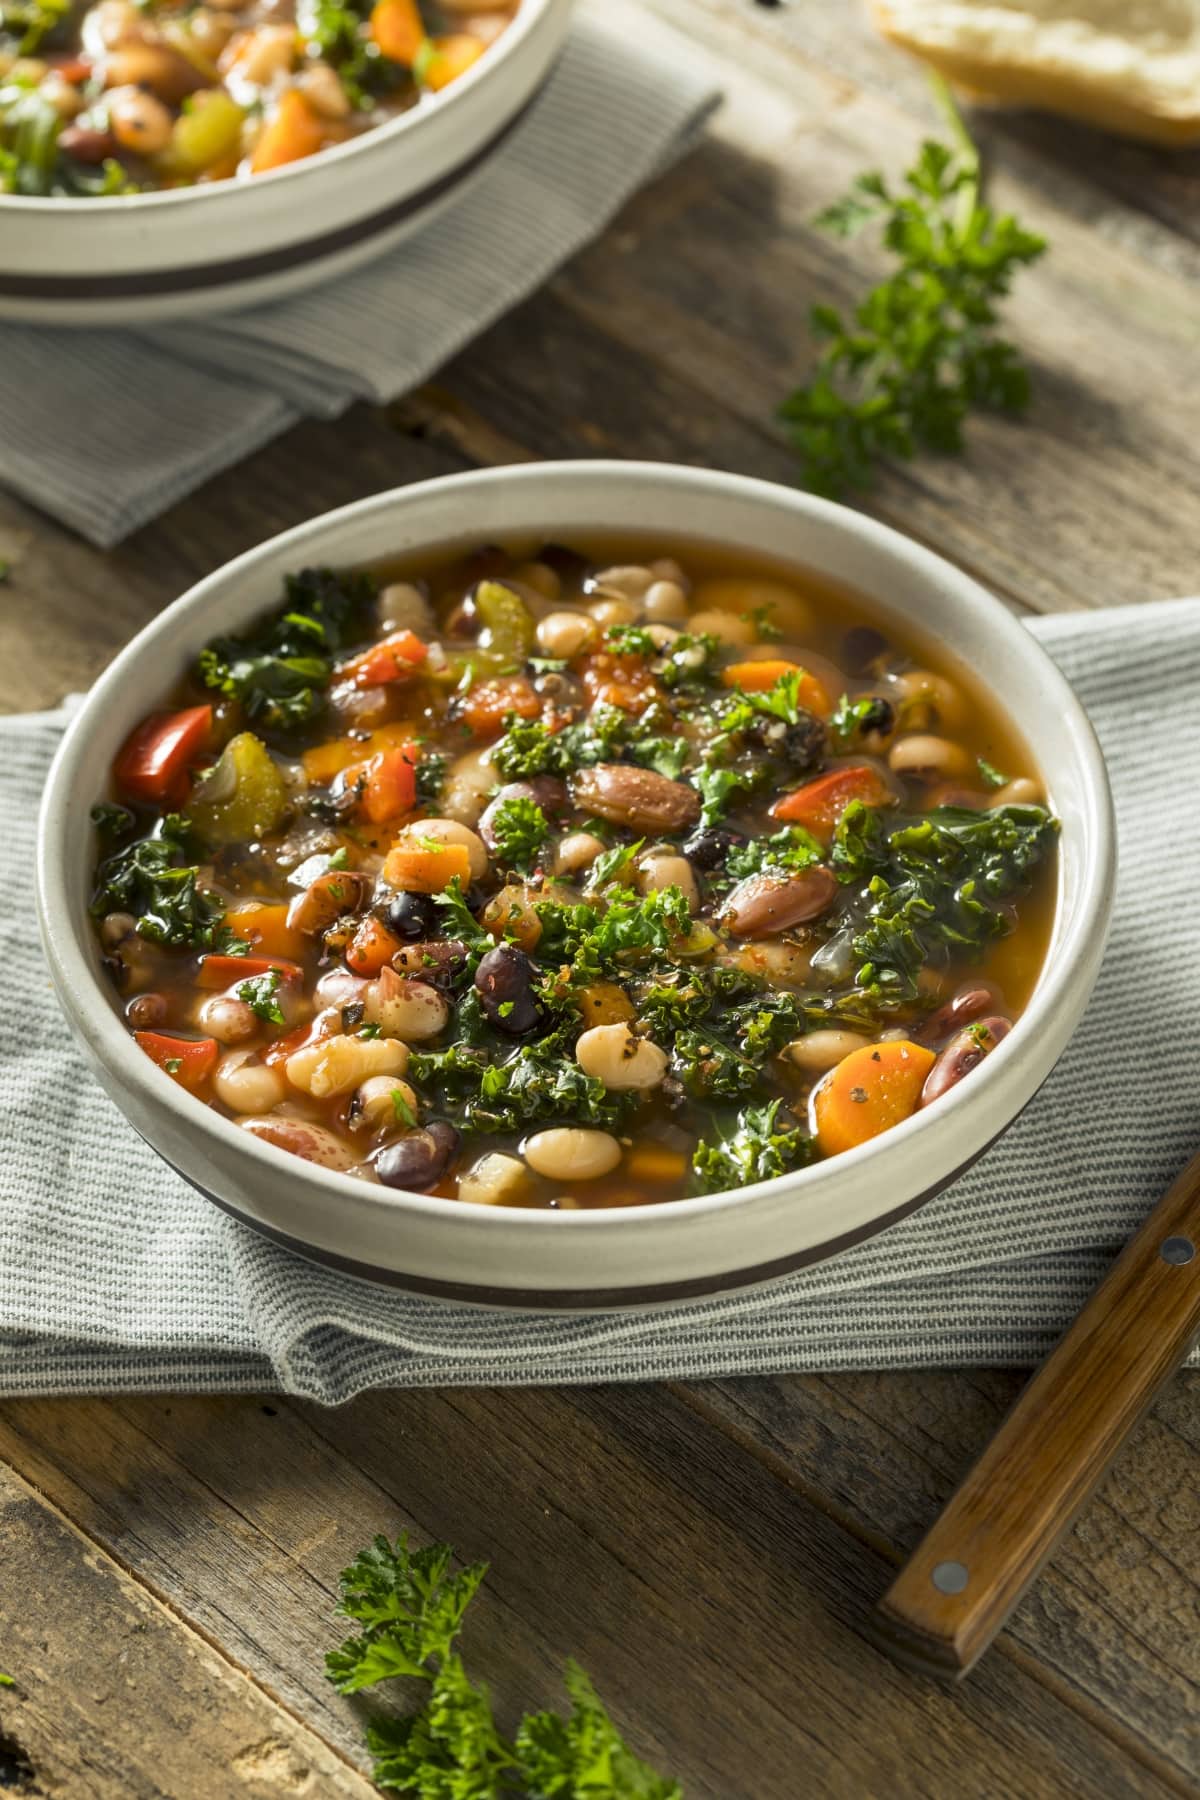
point(919, 352)
point(410, 1606)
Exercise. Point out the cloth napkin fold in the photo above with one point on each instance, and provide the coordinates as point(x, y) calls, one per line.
point(164, 408)
point(114, 1275)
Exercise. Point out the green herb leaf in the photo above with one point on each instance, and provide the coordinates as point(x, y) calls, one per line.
point(756, 1150)
point(520, 829)
point(990, 776)
point(260, 993)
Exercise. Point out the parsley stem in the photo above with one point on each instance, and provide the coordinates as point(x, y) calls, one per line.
point(968, 194)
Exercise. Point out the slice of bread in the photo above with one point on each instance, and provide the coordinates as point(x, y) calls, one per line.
point(1131, 66)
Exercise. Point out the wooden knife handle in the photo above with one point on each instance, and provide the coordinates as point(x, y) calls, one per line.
point(959, 1586)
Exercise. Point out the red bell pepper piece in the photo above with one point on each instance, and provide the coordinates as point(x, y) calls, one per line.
point(387, 783)
point(395, 658)
point(153, 763)
point(221, 972)
point(189, 1061)
point(820, 804)
point(371, 947)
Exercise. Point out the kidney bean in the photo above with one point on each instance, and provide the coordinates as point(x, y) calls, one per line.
point(969, 1003)
point(762, 905)
point(639, 798)
point(86, 144)
point(546, 791)
point(962, 1054)
point(146, 1011)
point(419, 1159)
point(504, 980)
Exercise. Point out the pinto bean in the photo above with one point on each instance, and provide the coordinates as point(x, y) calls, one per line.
point(962, 1054)
point(406, 1008)
point(419, 1159)
point(546, 791)
point(314, 1143)
point(765, 904)
point(639, 798)
point(969, 1003)
point(436, 960)
point(504, 982)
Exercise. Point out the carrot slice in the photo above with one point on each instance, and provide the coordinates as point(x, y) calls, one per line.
point(371, 947)
point(757, 677)
point(394, 658)
point(427, 869)
point(397, 28)
point(291, 133)
point(222, 971)
point(870, 1090)
point(324, 761)
point(189, 1061)
point(820, 804)
point(444, 59)
point(263, 925)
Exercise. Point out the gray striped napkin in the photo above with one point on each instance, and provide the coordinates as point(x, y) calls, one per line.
point(166, 408)
point(115, 1275)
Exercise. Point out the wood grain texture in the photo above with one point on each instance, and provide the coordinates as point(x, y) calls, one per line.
point(711, 1552)
point(1004, 1521)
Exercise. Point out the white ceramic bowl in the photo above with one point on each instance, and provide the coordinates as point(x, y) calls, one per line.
point(140, 257)
point(623, 1257)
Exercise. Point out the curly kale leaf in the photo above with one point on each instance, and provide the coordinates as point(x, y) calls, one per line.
point(520, 830)
point(756, 1150)
point(156, 881)
point(538, 1084)
point(710, 1069)
point(789, 851)
point(280, 670)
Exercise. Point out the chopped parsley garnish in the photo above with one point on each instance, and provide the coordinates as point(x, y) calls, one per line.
point(403, 1112)
point(173, 1064)
point(520, 830)
point(989, 775)
point(611, 864)
point(338, 860)
point(851, 718)
point(260, 994)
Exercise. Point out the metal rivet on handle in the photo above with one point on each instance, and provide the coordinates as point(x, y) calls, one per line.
point(951, 1577)
point(1178, 1250)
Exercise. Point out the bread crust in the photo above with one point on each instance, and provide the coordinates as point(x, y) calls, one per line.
point(1012, 83)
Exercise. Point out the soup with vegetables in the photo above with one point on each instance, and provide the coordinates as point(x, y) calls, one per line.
point(127, 95)
point(571, 877)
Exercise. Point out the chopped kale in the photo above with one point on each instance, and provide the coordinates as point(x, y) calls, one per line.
point(710, 1069)
point(155, 881)
point(756, 1150)
point(790, 850)
point(536, 1085)
point(431, 777)
point(520, 830)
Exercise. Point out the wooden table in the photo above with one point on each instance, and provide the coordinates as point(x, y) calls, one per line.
point(710, 1552)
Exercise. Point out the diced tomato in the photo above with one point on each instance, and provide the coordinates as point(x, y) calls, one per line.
point(221, 972)
point(189, 1061)
point(485, 706)
point(387, 783)
point(820, 804)
point(153, 763)
point(371, 947)
point(394, 658)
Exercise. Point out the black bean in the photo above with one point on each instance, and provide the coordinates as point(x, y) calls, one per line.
point(708, 847)
point(880, 716)
point(411, 916)
point(504, 981)
point(862, 646)
point(419, 1159)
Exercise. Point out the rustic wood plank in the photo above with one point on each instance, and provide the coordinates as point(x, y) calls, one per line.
point(1117, 1613)
point(719, 1612)
point(116, 1699)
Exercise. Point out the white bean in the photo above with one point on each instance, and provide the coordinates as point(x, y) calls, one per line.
point(403, 607)
point(446, 831)
point(138, 121)
point(334, 1065)
point(665, 568)
point(325, 94)
point(578, 851)
point(468, 783)
point(540, 577)
point(666, 602)
point(620, 1059)
point(821, 1050)
point(1020, 792)
point(116, 927)
point(245, 1085)
point(922, 686)
point(615, 612)
point(628, 581)
point(228, 1019)
point(374, 1105)
point(572, 1153)
point(315, 1143)
point(726, 627)
point(785, 607)
point(928, 756)
point(662, 869)
point(494, 1179)
point(565, 634)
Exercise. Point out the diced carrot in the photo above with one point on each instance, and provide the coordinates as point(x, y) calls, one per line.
point(446, 58)
point(223, 971)
point(485, 706)
point(427, 869)
point(869, 1091)
point(153, 763)
point(325, 761)
point(398, 29)
point(189, 1061)
point(263, 925)
point(387, 783)
point(292, 132)
point(820, 804)
point(621, 681)
point(757, 677)
point(653, 1163)
point(394, 658)
point(371, 947)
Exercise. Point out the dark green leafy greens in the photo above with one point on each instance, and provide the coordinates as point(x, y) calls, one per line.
point(339, 33)
point(279, 671)
point(31, 161)
point(919, 352)
point(409, 1606)
point(790, 850)
point(156, 881)
point(520, 830)
point(261, 995)
point(537, 1084)
point(757, 1149)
